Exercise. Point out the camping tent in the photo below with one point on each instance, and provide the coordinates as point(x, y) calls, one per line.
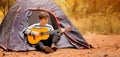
point(24, 13)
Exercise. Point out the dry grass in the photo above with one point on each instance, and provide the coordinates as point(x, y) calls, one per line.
point(1, 17)
point(93, 18)
point(98, 23)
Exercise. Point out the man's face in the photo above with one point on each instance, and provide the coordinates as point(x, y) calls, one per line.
point(44, 21)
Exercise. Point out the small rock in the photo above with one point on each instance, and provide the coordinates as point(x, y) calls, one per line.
point(106, 55)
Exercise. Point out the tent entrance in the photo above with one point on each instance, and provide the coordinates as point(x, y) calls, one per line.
point(34, 18)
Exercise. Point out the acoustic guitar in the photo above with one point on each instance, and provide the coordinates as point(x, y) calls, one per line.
point(44, 34)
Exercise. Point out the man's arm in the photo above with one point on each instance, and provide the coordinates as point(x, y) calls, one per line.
point(30, 32)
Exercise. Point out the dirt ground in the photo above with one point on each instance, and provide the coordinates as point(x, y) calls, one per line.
point(105, 46)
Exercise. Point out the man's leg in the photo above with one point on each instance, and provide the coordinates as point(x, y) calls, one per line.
point(52, 39)
point(55, 38)
point(39, 46)
point(46, 49)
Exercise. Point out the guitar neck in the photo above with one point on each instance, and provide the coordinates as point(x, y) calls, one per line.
point(58, 30)
point(51, 32)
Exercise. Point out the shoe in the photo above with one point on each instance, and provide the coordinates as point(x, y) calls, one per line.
point(54, 47)
point(48, 49)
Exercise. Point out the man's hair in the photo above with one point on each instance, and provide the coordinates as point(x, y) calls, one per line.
point(43, 14)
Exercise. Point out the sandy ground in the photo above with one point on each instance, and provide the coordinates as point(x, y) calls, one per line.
point(105, 46)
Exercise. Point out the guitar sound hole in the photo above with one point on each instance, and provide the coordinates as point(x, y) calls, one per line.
point(33, 37)
point(42, 33)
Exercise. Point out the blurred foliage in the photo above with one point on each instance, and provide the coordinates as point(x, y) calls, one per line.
point(94, 16)
point(86, 7)
point(4, 7)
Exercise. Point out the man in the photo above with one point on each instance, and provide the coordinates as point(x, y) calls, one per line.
point(48, 45)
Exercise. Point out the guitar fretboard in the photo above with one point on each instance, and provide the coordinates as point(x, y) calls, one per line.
point(50, 32)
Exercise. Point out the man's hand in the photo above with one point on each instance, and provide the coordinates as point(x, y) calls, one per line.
point(36, 33)
point(62, 30)
point(65, 29)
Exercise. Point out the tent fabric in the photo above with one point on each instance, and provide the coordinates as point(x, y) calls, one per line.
point(11, 29)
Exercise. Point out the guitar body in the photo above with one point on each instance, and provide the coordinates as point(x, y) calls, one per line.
point(35, 39)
